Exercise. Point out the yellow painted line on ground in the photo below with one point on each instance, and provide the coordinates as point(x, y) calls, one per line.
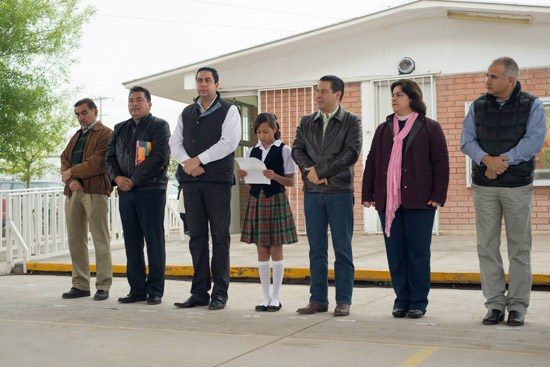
point(419, 357)
point(293, 273)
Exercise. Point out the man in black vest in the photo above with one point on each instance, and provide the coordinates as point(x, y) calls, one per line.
point(502, 132)
point(204, 142)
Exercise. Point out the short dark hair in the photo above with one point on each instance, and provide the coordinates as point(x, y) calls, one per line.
point(137, 88)
point(88, 101)
point(413, 91)
point(271, 120)
point(212, 70)
point(336, 84)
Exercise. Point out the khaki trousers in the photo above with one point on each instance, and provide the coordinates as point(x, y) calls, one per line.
point(81, 210)
point(514, 204)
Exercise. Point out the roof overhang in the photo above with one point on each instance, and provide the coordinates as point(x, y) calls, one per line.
point(179, 84)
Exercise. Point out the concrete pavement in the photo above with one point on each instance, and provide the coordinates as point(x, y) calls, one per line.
point(38, 327)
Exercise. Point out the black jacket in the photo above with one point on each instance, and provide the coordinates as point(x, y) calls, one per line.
point(121, 153)
point(333, 156)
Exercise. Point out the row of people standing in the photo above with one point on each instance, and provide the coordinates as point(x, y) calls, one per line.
point(406, 178)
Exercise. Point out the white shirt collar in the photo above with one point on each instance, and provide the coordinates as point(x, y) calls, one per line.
point(261, 146)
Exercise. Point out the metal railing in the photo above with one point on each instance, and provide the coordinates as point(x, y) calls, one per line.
point(33, 225)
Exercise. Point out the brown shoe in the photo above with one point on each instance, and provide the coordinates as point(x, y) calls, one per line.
point(342, 309)
point(311, 308)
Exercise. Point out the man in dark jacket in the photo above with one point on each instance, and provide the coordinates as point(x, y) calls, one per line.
point(502, 132)
point(137, 161)
point(87, 187)
point(326, 147)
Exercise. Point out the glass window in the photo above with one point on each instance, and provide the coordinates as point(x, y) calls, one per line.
point(248, 115)
point(542, 160)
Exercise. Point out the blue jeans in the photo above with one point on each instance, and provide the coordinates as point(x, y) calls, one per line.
point(336, 210)
point(408, 250)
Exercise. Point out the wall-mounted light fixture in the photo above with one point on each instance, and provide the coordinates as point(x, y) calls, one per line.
point(406, 65)
point(490, 17)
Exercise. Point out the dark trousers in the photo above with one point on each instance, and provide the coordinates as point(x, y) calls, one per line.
point(184, 220)
point(408, 251)
point(208, 203)
point(142, 216)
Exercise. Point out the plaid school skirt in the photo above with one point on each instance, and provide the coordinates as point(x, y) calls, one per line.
point(268, 221)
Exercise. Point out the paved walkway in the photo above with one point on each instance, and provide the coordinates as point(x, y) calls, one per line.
point(38, 327)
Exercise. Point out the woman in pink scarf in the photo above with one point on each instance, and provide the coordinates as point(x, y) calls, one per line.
point(406, 178)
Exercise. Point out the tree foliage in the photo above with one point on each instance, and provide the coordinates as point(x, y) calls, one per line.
point(37, 38)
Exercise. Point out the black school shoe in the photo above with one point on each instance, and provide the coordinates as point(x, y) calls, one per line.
point(274, 308)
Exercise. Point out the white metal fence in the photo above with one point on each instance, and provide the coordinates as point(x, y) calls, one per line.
point(33, 225)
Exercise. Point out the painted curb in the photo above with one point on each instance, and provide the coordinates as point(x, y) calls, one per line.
point(291, 273)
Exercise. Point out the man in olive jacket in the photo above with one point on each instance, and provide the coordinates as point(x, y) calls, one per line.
point(87, 188)
point(137, 161)
point(326, 147)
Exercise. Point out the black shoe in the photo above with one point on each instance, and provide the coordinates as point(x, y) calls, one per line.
point(493, 317)
point(130, 298)
point(190, 302)
point(101, 295)
point(75, 293)
point(261, 308)
point(154, 300)
point(415, 314)
point(516, 318)
point(274, 308)
point(398, 312)
point(216, 304)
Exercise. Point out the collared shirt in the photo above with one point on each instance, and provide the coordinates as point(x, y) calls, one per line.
point(326, 118)
point(288, 162)
point(531, 143)
point(84, 131)
point(229, 140)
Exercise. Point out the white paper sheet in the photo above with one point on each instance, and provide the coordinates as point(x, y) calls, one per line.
point(254, 170)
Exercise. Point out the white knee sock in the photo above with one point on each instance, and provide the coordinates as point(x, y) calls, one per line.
point(265, 279)
point(278, 272)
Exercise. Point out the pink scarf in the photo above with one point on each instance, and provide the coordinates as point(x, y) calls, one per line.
point(393, 183)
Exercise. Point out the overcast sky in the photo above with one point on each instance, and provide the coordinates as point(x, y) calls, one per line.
point(128, 39)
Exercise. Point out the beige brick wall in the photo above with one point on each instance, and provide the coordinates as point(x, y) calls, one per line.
point(452, 91)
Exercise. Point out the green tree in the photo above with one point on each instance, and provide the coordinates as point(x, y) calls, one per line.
point(38, 141)
point(37, 38)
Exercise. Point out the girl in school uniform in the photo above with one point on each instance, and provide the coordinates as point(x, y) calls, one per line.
point(268, 221)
